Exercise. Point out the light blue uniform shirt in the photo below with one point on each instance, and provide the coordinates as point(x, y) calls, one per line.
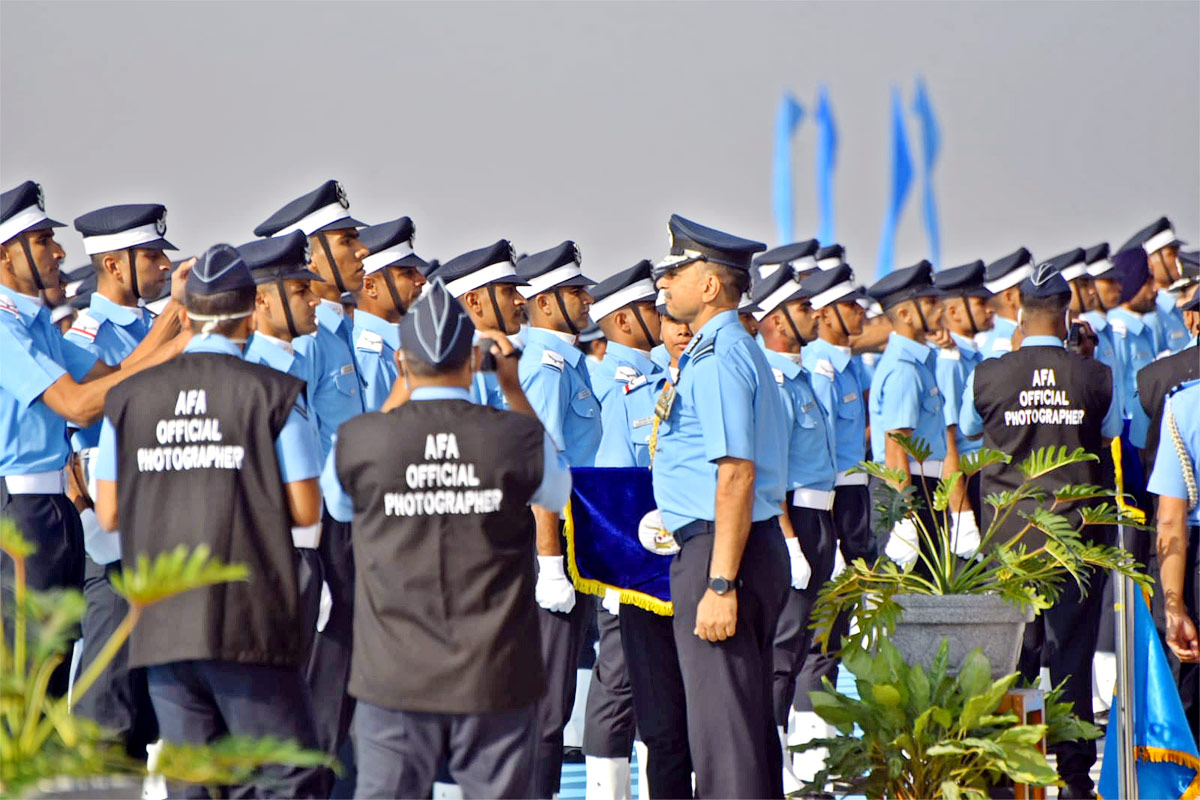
point(486, 391)
point(1167, 479)
point(810, 432)
point(262, 350)
point(1139, 423)
point(905, 394)
point(627, 406)
point(375, 344)
point(726, 406)
point(953, 367)
point(1106, 349)
point(337, 395)
point(660, 356)
point(111, 331)
point(867, 362)
point(33, 355)
point(294, 449)
point(1134, 345)
point(552, 492)
point(1172, 333)
point(841, 387)
point(998, 340)
point(555, 380)
point(971, 424)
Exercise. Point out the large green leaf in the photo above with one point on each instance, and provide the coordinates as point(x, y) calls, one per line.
point(972, 463)
point(941, 495)
point(233, 759)
point(1081, 491)
point(975, 674)
point(12, 542)
point(173, 572)
point(1045, 460)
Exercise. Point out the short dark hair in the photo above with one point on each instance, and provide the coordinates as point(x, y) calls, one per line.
point(736, 282)
point(236, 301)
point(1055, 305)
point(415, 363)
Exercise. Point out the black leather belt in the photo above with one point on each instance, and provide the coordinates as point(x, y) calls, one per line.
point(702, 527)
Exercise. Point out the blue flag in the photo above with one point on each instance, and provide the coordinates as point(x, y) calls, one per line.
point(603, 550)
point(827, 142)
point(787, 119)
point(1168, 764)
point(931, 145)
point(901, 180)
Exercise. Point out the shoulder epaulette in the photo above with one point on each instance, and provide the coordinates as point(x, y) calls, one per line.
point(553, 360)
point(370, 341)
point(7, 304)
point(780, 378)
point(824, 368)
point(706, 348)
point(625, 374)
point(640, 380)
point(86, 325)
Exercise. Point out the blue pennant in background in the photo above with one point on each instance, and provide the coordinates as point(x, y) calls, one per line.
point(931, 145)
point(901, 180)
point(603, 550)
point(787, 119)
point(827, 144)
point(1168, 764)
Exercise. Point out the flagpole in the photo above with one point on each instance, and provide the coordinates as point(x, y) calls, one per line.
point(1123, 619)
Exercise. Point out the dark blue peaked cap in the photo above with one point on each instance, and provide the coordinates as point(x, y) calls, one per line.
point(834, 285)
point(324, 209)
point(495, 263)
point(1009, 271)
point(691, 241)
point(550, 269)
point(122, 227)
point(1132, 269)
point(904, 284)
point(1098, 263)
point(787, 253)
point(391, 245)
point(1154, 237)
point(1045, 282)
point(279, 258)
point(24, 209)
point(963, 281)
point(219, 269)
point(772, 291)
point(1072, 265)
point(633, 285)
point(831, 252)
point(436, 329)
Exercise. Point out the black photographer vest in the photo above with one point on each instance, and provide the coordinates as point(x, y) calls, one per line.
point(1042, 397)
point(444, 612)
point(196, 465)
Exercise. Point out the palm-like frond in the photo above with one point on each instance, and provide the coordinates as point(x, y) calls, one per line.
point(176, 571)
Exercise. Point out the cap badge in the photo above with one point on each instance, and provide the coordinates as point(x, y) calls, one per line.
point(578, 255)
point(512, 253)
point(41, 198)
point(160, 224)
point(307, 251)
point(341, 194)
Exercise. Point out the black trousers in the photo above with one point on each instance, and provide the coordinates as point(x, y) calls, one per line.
point(659, 701)
point(818, 542)
point(328, 669)
point(731, 722)
point(1064, 639)
point(119, 699)
point(200, 701)
point(610, 722)
point(562, 637)
point(51, 523)
point(399, 753)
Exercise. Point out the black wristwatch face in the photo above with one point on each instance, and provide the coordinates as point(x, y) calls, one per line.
point(719, 585)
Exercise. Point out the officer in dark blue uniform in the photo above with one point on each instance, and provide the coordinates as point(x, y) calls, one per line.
point(394, 275)
point(323, 215)
point(485, 282)
point(555, 378)
point(719, 481)
point(127, 246)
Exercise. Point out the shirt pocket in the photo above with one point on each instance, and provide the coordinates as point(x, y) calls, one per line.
point(808, 415)
point(346, 380)
point(584, 404)
point(931, 402)
point(848, 408)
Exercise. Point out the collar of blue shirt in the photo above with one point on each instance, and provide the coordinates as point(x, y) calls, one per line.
point(553, 340)
point(27, 307)
point(439, 392)
point(836, 355)
point(909, 349)
point(783, 363)
point(1134, 323)
point(965, 343)
point(624, 354)
point(1042, 341)
point(710, 328)
point(213, 343)
point(115, 312)
point(275, 353)
point(388, 331)
point(330, 315)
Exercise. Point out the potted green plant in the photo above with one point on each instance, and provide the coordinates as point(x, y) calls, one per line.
point(44, 747)
point(924, 733)
point(982, 602)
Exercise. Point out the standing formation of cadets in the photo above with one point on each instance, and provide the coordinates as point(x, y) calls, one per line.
point(422, 592)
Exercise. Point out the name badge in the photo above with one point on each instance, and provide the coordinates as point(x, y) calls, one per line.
point(348, 369)
point(850, 398)
point(584, 394)
point(807, 407)
point(662, 408)
point(644, 421)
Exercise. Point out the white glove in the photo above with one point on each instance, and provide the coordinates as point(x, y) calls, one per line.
point(839, 563)
point(964, 536)
point(325, 607)
point(553, 591)
point(654, 537)
point(611, 602)
point(903, 543)
point(801, 571)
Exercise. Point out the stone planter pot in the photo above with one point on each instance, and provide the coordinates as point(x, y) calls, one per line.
point(967, 622)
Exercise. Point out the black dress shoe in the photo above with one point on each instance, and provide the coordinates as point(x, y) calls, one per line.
point(1076, 792)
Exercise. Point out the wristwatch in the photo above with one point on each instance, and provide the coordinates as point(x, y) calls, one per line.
point(720, 585)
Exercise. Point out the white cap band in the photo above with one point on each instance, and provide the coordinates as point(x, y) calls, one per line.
point(1010, 280)
point(832, 294)
point(1097, 268)
point(122, 240)
point(775, 299)
point(321, 218)
point(549, 280)
point(635, 292)
point(377, 261)
point(830, 263)
point(480, 277)
point(20, 222)
point(1158, 241)
point(676, 260)
point(1074, 272)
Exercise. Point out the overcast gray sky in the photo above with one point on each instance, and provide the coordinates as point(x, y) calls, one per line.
point(1063, 124)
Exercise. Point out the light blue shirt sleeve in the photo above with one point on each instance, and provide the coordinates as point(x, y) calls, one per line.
point(294, 449)
point(27, 372)
point(948, 372)
point(969, 421)
point(337, 502)
point(900, 400)
point(79, 361)
point(555, 488)
point(616, 445)
point(546, 389)
point(1166, 479)
point(723, 391)
point(105, 465)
